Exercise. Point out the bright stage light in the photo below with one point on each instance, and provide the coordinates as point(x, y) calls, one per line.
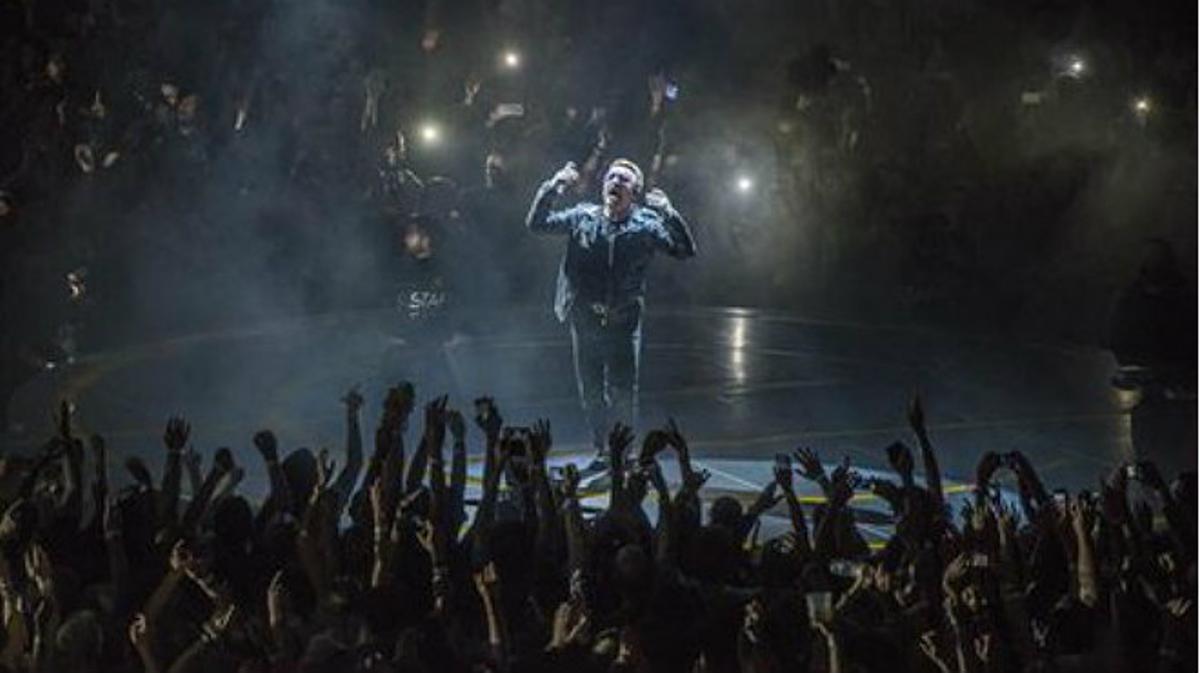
point(744, 184)
point(430, 134)
point(1076, 67)
point(511, 59)
point(1142, 106)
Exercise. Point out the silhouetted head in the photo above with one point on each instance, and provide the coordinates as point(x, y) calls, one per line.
point(233, 522)
point(726, 512)
point(300, 470)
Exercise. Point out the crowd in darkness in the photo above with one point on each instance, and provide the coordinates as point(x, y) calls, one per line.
point(383, 564)
point(289, 155)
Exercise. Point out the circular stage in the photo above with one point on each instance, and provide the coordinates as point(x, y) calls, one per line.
point(743, 385)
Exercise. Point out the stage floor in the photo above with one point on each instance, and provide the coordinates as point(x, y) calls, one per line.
point(743, 385)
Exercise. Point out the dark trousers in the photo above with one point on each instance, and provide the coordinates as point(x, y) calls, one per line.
point(607, 354)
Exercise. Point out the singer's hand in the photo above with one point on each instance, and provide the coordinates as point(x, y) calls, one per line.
point(566, 176)
point(657, 199)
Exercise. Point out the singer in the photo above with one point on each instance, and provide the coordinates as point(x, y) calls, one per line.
point(602, 284)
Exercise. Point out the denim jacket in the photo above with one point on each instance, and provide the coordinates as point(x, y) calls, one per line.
point(604, 267)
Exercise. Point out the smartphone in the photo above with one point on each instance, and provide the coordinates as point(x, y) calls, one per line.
point(672, 91)
point(482, 408)
point(782, 462)
point(980, 561)
point(1132, 471)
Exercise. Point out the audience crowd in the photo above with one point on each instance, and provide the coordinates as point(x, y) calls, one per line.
point(384, 565)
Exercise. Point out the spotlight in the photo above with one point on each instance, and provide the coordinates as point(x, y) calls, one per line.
point(511, 59)
point(1076, 67)
point(744, 184)
point(1142, 106)
point(430, 134)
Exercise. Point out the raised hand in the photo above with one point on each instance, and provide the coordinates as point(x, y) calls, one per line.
point(540, 441)
point(223, 461)
point(695, 481)
point(176, 434)
point(353, 400)
point(841, 485)
point(810, 464)
point(488, 418)
point(988, 464)
point(916, 414)
point(675, 438)
point(140, 473)
point(657, 199)
point(458, 428)
point(901, 459)
point(435, 420)
point(398, 405)
point(654, 441)
point(566, 176)
point(570, 481)
point(783, 474)
point(265, 442)
point(842, 471)
point(619, 440)
point(652, 472)
point(768, 498)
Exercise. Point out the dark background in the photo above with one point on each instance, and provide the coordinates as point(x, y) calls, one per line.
point(911, 162)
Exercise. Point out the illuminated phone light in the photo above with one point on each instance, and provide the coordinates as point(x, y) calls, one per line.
point(430, 134)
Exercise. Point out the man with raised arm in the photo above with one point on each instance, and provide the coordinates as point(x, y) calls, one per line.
point(602, 283)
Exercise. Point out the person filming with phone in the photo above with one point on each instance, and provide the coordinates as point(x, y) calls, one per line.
point(602, 283)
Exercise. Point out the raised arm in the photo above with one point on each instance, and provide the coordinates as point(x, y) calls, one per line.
point(576, 531)
point(174, 438)
point(456, 505)
point(548, 525)
point(542, 218)
point(222, 465)
point(100, 485)
point(767, 499)
point(783, 477)
point(344, 485)
point(279, 498)
point(933, 475)
point(676, 237)
point(490, 421)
